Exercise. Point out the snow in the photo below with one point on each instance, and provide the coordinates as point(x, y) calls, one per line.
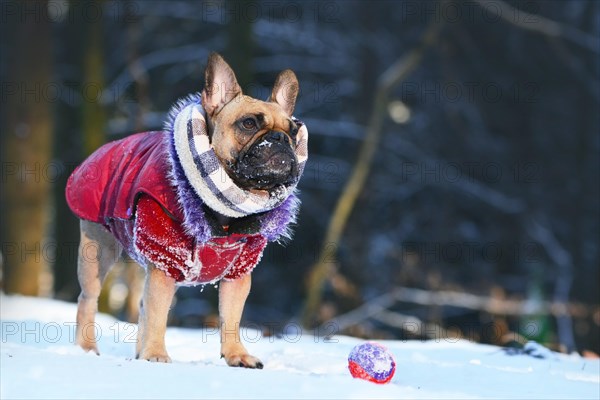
point(38, 360)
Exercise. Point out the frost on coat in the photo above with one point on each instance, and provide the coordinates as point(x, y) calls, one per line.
point(159, 238)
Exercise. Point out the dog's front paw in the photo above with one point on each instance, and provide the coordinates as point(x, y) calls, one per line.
point(86, 343)
point(159, 356)
point(244, 360)
point(88, 346)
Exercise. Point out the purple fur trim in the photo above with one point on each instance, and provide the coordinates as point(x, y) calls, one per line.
point(275, 224)
point(194, 223)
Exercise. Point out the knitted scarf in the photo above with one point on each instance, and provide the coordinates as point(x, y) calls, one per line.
point(200, 178)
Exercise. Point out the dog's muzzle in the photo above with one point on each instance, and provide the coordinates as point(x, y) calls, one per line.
point(268, 163)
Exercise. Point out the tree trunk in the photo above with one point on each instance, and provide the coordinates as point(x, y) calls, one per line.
point(94, 117)
point(27, 152)
point(79, 133)
point(92, 112)
point(239, 49)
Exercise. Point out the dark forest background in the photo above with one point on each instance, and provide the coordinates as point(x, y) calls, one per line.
point(452, 185)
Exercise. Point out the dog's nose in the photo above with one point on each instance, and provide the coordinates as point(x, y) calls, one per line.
point(276, 136)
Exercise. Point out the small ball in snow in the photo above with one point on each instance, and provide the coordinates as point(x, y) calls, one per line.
point(372, 362)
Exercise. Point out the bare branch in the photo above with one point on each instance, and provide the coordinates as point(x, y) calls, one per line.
point(377, 307)
point(410, 324)
point(189, 53)
point(492, 197)
point(365, 311)
point(491, 305)
point(397, 72)
point(539, 24)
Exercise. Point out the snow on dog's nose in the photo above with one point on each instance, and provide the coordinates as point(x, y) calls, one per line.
point(268, 163)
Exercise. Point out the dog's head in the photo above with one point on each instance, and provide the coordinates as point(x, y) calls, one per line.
point(254, 140)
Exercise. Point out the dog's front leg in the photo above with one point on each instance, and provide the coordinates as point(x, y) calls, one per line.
point(158, 295)
point(232, 297)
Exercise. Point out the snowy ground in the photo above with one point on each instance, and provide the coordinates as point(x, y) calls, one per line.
point(38, 360)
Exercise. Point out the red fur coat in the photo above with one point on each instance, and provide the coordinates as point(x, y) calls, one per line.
point(125, 186)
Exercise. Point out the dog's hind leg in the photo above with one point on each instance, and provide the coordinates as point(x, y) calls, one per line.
point(98, 252)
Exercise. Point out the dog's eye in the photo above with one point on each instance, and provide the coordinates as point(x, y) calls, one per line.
point(249, 124)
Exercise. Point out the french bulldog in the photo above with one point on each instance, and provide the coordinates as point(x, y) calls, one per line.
point(255, 142)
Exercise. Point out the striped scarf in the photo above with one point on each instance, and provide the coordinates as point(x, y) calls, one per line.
point(206, 175)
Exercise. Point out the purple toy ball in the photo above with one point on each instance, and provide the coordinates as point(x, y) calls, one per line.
point(372, 362)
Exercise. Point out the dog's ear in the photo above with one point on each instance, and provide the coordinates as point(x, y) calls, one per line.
point(220, 86)
point(285, 91)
